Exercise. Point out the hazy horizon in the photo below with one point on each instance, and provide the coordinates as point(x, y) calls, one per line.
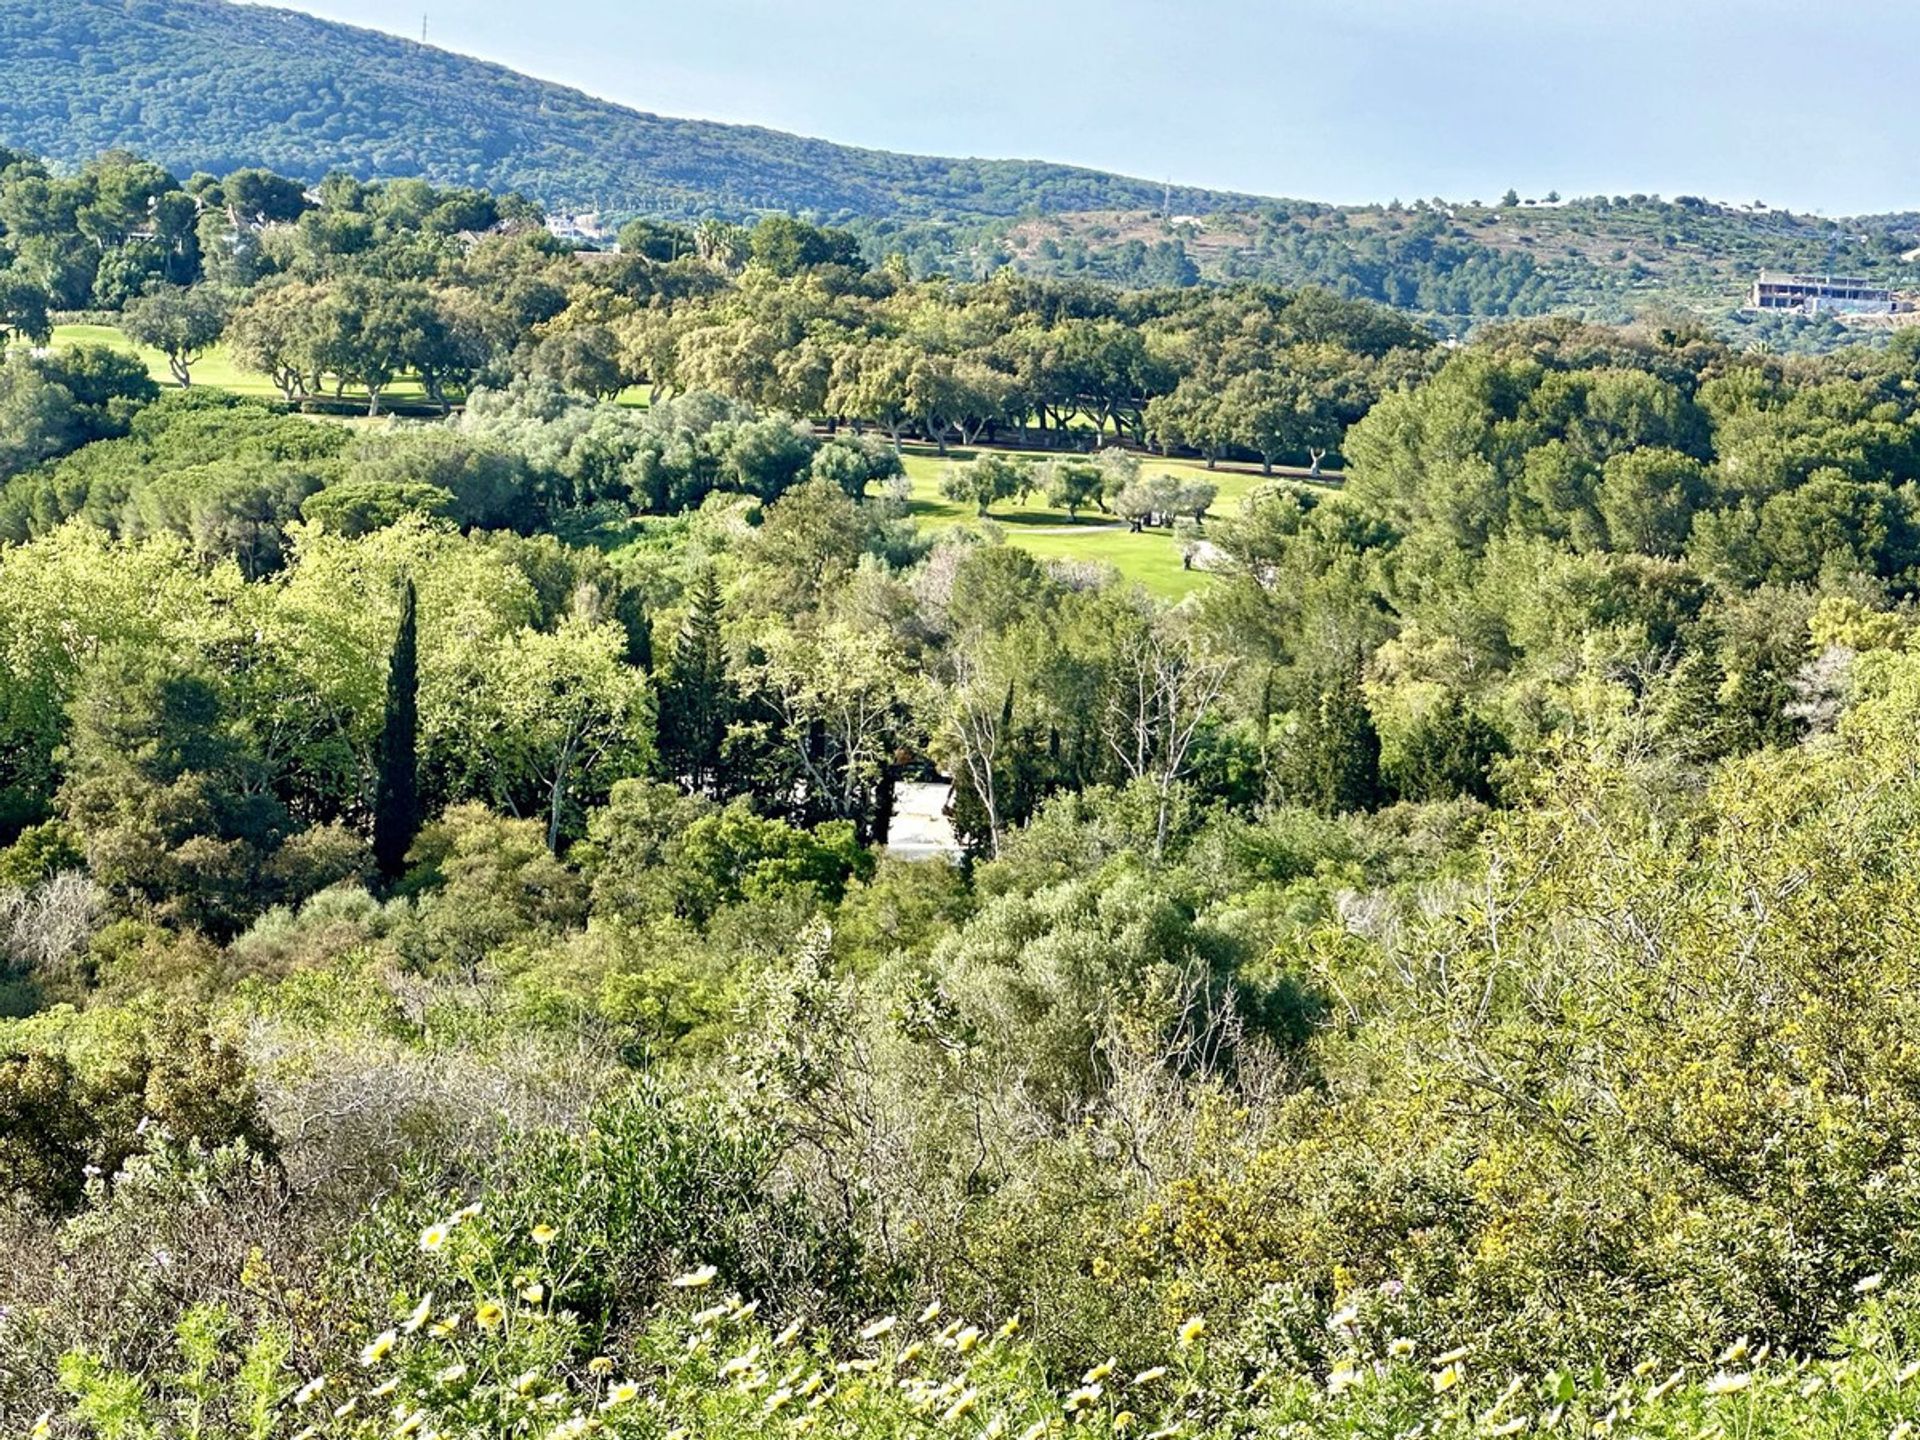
point(1360, 102)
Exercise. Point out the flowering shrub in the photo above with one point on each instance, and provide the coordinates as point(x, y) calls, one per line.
point(494, 1351)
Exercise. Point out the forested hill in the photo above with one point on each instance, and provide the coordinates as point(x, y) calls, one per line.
point(207, 85)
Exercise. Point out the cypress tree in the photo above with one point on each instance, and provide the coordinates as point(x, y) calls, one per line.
point(1333, 760)
point(396, 801)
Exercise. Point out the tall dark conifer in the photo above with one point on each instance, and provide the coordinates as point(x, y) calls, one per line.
point(1333, 759)
point(696, 696)
point(396, 801)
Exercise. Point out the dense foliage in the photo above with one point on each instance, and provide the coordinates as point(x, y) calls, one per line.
point(1451, 972)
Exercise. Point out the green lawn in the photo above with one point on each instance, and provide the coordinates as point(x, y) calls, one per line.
point(214, 369)
point(1150, 558)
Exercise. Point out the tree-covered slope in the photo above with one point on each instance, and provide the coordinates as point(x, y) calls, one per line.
point(204, 84)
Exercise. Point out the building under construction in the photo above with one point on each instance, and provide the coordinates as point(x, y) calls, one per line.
point(1820, 295)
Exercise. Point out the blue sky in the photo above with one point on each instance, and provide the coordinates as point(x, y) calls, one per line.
point(1347, 100)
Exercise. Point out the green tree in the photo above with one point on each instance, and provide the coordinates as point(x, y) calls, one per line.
point(697, 698)
point(1072, 485)
point(274, 334)
point(1332, 759)
point(181, 322)
point(396, 800)
point(986, 479)
point(172, 807)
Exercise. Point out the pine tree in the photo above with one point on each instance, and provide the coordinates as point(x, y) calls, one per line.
point(396, 802)
point(696, 700)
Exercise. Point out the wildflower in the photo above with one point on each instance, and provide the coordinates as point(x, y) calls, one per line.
point(967, 1339)
point(410, 1425)
point(787, 1336)
point(1147, 1377)
point(534, 1293)
point(419, 1317)
point(962, 1406)
point(1123, 1421)
point(1869, 1285)
point(620, 1394)
point(1901, 1431)
point(1099, 1372)
point(1191, 1331)
point(1725, 1384)
point(1447, 1377)
point(488, 1314)
point(1083, 1399)
point(524, 1382)
point(912, 1353)
point(1343, 1378)
point(465, 1212)
point(1735, 1352)
point(1907, 1373)
point(777, 1401)
point(444, 1326)
point(384, 1388)
point(43, 1427)
point(346, 1408)
point(740, 1364)
point(1035, 1431)
point(703, 1318)
point(744, 1311)
point(453, 1374)
point(696, 1279)
point(879, 1328)
point(1010, 1329)
point(307, 1391)
point(1659, 1392)
point(1343, 1317)
point(543, 1235)
point(433, 1238)
point(1812, 1386)
point(1400, 1347)
point(1451, 1356)
point(600, 1365)
point(931, 1313)
point(1511, 1427)
point(379, 1347)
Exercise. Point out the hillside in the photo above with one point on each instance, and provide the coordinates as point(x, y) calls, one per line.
point(207, 85)
point(1604, 257)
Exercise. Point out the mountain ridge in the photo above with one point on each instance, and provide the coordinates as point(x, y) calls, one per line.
point(208, 84)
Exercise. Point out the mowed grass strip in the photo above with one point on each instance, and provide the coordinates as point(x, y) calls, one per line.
point(1151, 558)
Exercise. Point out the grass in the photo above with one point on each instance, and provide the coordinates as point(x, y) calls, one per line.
point(1151, 558)
point(215, 369)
